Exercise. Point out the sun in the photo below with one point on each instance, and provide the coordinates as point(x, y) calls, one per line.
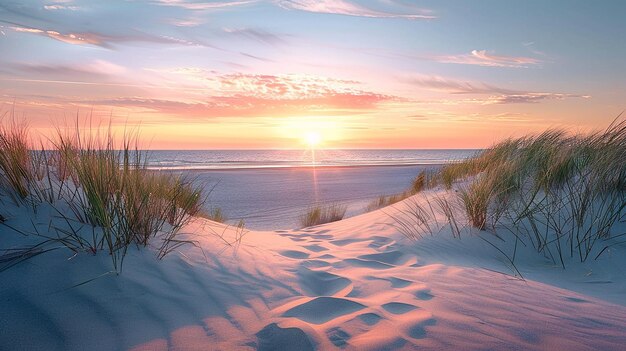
point(312, 139)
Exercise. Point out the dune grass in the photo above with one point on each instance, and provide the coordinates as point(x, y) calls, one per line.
point(426, 179)
point(564, 195)
point(320, 214)
point(215, 214)
point(102, 191)
point(16, 167)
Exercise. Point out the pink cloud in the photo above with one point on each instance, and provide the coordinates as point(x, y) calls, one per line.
point(242, 94)
point(286, 86)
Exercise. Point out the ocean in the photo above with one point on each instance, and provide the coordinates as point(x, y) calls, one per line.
point(238, 159)
point(271, 189)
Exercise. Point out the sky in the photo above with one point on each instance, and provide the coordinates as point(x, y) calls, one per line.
point(245, 74)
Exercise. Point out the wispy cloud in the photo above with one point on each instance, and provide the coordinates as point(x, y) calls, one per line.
point(525, 98)
point(258, 58)
point(256, 34)
point(99, 39)
point(69, 38)
point(454, 86)
point(57, 7)
point(204, 5)
point(485, 58)
point(347, 8)
point(96, 67)
point(498, 95)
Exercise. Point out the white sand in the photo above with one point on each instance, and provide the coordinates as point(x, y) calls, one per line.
point(356, 284)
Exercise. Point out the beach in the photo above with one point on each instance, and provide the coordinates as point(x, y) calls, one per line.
point(269, 199)
point(356, 284)
point(271, 189)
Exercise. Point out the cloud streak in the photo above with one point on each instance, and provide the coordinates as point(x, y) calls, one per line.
point(256, 34)
point(250, 106)
point(347, 8)
point(203, 5)
point(96, 67)
point(98, 39)
point(498, 95)
point(485, 58)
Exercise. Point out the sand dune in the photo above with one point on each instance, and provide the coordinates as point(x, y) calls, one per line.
point(356, 284)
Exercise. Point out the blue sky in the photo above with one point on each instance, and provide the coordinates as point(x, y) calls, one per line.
point(263, 73)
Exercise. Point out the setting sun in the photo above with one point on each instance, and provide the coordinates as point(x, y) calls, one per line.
point(312, 139)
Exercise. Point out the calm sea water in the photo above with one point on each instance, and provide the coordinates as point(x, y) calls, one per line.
point(270, 190)
point(233, 159)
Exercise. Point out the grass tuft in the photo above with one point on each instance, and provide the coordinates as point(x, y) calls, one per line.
point(562, 194)
point(102, 191)
point(320, 214)
point(17, 173)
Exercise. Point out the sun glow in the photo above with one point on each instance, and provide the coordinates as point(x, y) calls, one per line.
point(312, 139)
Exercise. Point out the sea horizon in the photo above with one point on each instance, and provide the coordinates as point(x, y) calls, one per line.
point(211, 159)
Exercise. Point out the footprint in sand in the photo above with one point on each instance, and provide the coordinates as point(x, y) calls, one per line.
point(323, 309)
point(396, 283)
point(315, 248)
point(424, 294)
point(356, 262)
point(390, 257)
point(294, 254)
point(321, 236)
point(398, 307)
point(344, 242)
point(326, 257)
point(380, 241)
point(370, 318)
point(338, 336)
point(293, 237)
point(399, 283)
point(575, 299)
point(320, 283)
point(275, 338)
point(315, 264)
point(418, 331)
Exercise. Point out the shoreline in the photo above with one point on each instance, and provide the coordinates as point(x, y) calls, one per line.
point(274, 198)
point(302, 167)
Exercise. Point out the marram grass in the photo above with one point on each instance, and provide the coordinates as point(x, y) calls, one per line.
point(105, 185)
point(321, 214)
point(562, 194)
